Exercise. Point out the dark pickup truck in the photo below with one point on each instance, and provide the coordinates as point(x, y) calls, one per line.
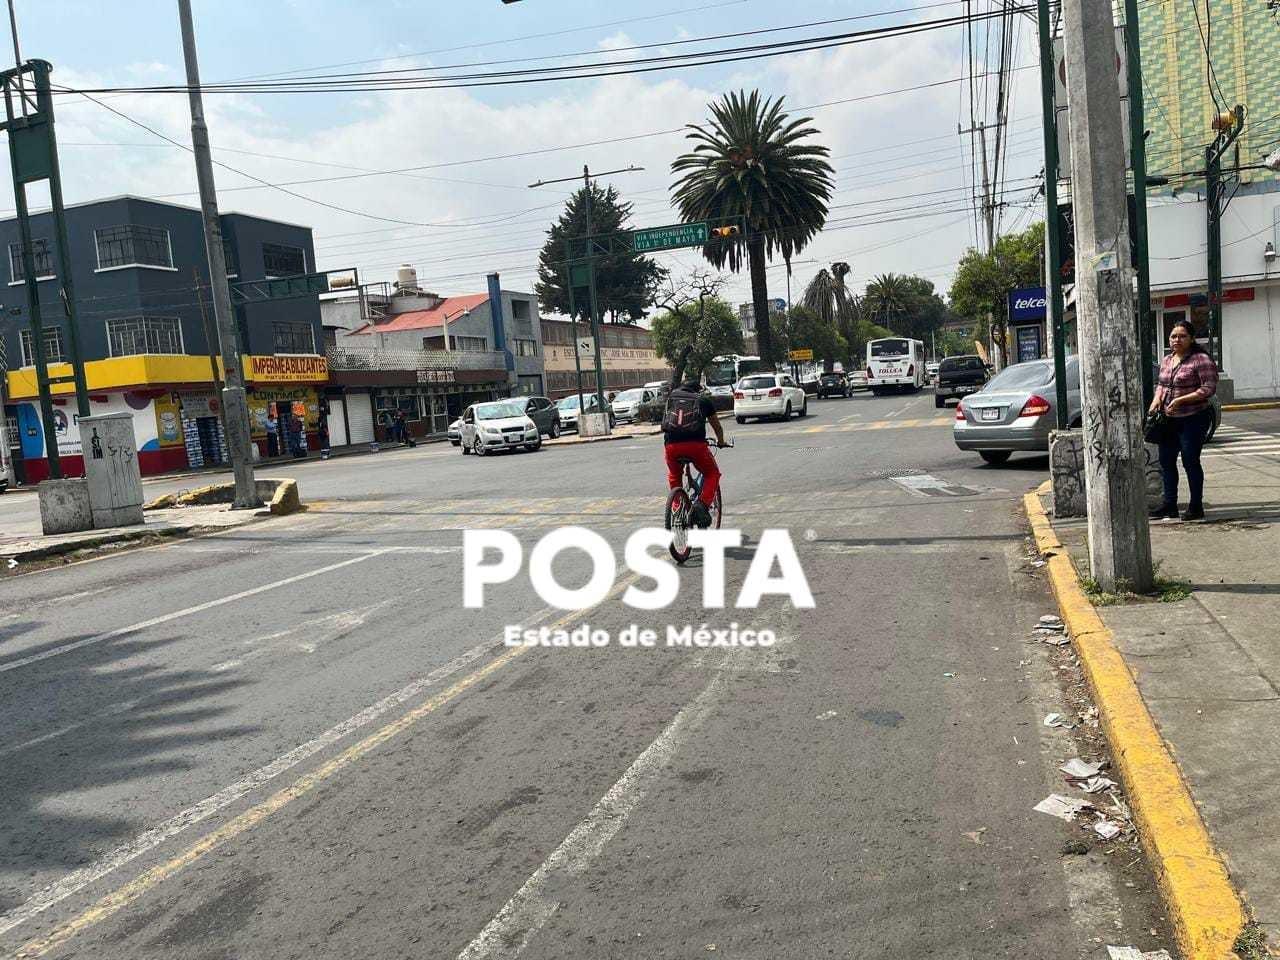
point(959, 377)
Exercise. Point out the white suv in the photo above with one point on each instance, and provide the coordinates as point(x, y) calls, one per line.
point(768, 395)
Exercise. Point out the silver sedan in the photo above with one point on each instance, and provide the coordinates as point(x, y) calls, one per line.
point(1015, 410)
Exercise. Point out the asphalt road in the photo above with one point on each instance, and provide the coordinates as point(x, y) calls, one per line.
point(292, 740)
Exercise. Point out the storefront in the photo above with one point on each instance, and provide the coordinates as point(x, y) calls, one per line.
point(173, 400)
point(1027, 324)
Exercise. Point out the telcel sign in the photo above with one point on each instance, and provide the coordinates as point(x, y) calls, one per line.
point(1027, 303)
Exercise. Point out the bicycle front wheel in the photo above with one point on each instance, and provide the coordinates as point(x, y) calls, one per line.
point(678, 522)
point(717, 510)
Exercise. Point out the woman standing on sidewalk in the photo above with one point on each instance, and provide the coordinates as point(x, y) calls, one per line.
point(1188, 378)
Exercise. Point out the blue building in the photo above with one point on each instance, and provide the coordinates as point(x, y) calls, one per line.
point(146, 329)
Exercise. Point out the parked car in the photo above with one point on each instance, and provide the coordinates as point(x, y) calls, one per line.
point(626, 405)
point(543, 413)
point(833, 384)
point(768, 395)
point(1015, 410)
point(567, 407)
point(958, 377)
point(858, 380)
point(455, 432)
point(498, 425)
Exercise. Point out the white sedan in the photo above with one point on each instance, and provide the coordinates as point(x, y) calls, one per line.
point(768, 395)
point(498, 425)
point(627, 404)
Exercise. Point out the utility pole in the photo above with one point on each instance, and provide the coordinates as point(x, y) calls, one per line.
point(1138, 163)
point(234, 405)
point(1119, 536)
point(988, 216)
point(595, 307)
point(1053, 269)
point(1229, 125)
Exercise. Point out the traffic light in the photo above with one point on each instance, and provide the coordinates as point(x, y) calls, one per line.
point(724, 233)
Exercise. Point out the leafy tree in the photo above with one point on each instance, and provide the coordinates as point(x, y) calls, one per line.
point(694, 325)
point(751, 163)
point(625, 282)
point(982, 281)
point(806, 329)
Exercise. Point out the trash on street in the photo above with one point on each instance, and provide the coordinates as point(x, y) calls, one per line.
point(1064, 808)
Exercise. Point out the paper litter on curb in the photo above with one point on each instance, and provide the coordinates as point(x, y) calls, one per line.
point(1077, 769)
point(1096, 784)
point(1050, 621)
point(1064, 808)
point(1057, 720)
point(1107, 830)
point(1133, 953)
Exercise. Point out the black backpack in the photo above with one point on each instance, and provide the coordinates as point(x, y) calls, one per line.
point(684, 419)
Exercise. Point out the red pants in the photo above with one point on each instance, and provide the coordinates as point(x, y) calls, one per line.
point(699, 454)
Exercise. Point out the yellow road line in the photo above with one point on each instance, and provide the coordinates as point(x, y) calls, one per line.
point(122, 897)
point(1205, 909)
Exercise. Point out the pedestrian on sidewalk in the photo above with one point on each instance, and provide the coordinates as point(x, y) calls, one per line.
point(1188, 378)
point(273, 434)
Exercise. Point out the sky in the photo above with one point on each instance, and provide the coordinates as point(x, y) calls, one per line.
point(461, 207)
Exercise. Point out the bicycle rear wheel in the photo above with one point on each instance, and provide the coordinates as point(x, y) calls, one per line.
point(677, 521)
point(717, 510)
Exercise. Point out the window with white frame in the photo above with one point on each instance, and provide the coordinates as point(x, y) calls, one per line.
point(293, 336)
point(526, 348)
point(470, 344)
point(128, 336)
point(43, 256)
point(282, 260)
point(52, 346)
point(133, 245)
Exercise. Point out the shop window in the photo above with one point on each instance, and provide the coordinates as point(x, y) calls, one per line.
point(128, 336)
point(293, 336)
point(526, 348)
point(43, 257)
point(282, 260)
point(133, 245)
point(52, 346)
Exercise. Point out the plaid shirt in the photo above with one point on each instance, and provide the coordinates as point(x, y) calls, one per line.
point(1196, 375)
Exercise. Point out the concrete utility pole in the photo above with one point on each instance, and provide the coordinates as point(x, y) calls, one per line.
point(234, 405)
point(1110, 354)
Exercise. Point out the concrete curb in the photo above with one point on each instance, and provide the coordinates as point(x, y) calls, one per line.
point(286, 499)
point(1260, 405)
point(561, 441)
point(1206, 912)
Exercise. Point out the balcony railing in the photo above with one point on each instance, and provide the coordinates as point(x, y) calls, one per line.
point(370, 358)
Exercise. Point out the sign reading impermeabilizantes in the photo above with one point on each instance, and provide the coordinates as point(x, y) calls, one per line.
point(668, 238)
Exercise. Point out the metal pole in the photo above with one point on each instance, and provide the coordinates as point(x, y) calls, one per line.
point(1053, 280)
point(1115, 454)
point(234, 404)
point(17, 57)
point(1213, 190)
point(1138, 163)
point(573, 331)
point(595, 311)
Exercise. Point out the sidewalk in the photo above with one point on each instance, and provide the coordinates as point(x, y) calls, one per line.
point(1208, 666)
point(26, 544)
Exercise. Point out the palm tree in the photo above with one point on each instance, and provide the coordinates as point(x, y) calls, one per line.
point(886, 299)
point(751, 165)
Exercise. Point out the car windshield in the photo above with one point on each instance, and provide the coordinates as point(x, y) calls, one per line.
point(832, 376)
point(569, 403)
point(884, 349)
point(626, 396)
point(720, 373)
point(756, 383)
point(1022, 375)
point(497, 411)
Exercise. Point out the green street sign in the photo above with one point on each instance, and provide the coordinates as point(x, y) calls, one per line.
point(668, 238)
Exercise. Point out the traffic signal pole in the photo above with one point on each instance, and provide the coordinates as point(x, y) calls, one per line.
point(1051, 227)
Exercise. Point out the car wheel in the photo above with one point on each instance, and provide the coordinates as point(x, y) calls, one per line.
point(555, 429)
point(804, 408)
point(741, 419)
point(477, 447)
point(465, 449)
point(994, 457)
point(534, 447)
point(939, 402)
point(786, 414)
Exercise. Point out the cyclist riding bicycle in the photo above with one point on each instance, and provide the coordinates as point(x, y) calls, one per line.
point(684, 424)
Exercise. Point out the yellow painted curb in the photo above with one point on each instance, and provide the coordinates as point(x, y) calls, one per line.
point(1260, 405)
point(1206, 912)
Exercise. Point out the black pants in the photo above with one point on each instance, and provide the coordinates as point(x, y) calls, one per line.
point(1186, 436)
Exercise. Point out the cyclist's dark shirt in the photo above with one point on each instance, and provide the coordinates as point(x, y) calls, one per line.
point(704, 404)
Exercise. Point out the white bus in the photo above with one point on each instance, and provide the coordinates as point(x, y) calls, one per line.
point(723, 372)
point(895, 364)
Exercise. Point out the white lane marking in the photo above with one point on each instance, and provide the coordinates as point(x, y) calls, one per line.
point(507, 934)
point(925, 484)
point(77, 880)
point(119, 708)
point(178, 614)
point(321, 629)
